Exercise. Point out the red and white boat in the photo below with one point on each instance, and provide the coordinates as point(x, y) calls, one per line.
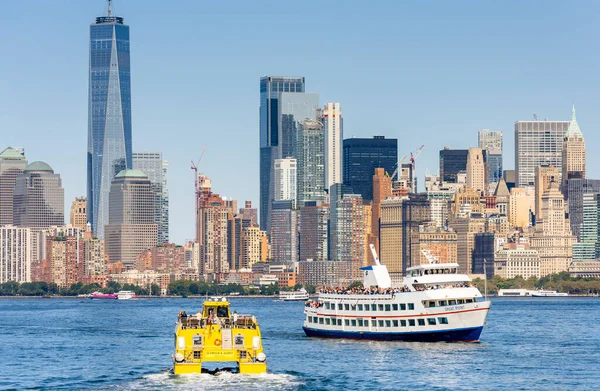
point(100, 295)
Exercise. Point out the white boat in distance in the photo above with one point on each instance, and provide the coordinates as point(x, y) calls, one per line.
point(299, 295)
point(543, 293)
point(434, 303)
point(126, 295)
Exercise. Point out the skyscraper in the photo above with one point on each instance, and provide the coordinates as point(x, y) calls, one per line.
point(109, 114)
point(543, 177)
point(78, 216)
point(271, 88)
point(573, 154)
point(285, 180)
point(153, 165)
point(12, 163)
point(334, 132)
point(311, 161)
point(15, 254)
point(131, 228)
point(476, 170)
point(39, 198)
point(576, 188)
point(362, 156)
point(284, 232)
point(452, 161)
point(491, 142)
point(537, 143)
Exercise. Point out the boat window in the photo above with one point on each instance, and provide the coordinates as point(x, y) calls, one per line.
point(454, 270)
point(347, 322)
point(411, 322)
point(460, 301)
point(327, 321)
point(381, 323)
point(443, 303)
point(431, 304)
point(402, 307)
point(395, 323)
point(373, 307)
point(222, 312)
point(452, 302)
point(315, 319)
point(380, 307)
point(411, 306)
point(395, 307)
point(402, 322)
point(309, 319)
point(197, 355)
point(339, 322)
point(353, 307)
point(347, 307)
point(340, 307)
point(197, 339)
point(373, 323)
point(360, 307)
point(388, 307)
point(326, 305)
point(469, 300)
point(421, 322)
point(360, 323)
point(321, 321)
point(353, 322)
point(366, 307)
point(443, 320)
point(388, 323)
point(431, 321)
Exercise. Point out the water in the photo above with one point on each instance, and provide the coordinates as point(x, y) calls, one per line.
point(79, 344)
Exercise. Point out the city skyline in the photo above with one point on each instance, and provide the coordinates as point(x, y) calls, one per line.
point(159, 105)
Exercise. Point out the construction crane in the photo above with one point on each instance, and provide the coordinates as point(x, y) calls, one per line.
point(414, 157)
point(196, 189)
point(398, 166)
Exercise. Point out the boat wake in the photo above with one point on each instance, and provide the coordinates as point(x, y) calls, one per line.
point(220, 381)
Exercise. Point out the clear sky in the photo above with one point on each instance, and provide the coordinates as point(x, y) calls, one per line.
point(426, 72)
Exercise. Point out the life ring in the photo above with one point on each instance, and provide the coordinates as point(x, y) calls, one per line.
point(217, 342)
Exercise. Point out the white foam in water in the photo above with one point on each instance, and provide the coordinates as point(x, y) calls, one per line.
point(222, 381)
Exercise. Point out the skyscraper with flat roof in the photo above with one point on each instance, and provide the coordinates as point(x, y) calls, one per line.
point(362, 156)
point(452, 162)
point(537, 143)
point(153, 165)
point(311, 161)
point(491, 142)
point(109, 114)
point(12, 163)
point(333, 126)
point(272, 135)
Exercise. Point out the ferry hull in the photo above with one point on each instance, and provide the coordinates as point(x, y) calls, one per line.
point(470, 334)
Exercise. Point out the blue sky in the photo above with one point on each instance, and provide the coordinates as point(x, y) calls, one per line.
point(426, 72)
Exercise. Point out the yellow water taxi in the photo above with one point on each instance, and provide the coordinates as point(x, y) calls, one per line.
point(216, 335)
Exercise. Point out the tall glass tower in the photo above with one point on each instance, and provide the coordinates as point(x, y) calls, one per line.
point(109, 114)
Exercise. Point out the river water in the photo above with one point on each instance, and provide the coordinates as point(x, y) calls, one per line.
point(79, 344)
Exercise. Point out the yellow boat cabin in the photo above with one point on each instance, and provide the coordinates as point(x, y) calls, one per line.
point(217, 335)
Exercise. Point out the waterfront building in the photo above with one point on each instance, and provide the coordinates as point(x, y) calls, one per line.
point(12, 163)
point(517, 261)
point(313, 235)
point(362, 156)
point(573, 154)
point(311, 161)
point(285, 180)
point(382, 189)
point(39, 198)
point(537, 144)
point(143, 278)
point(543, 177)
point(78, 215)
point(325, 273)
point(252, 239)
point(586, 269)
point(166, 258)
point(271, 88)
point(15, 254)
point(347, 237)
point(333, 127)
point(491, 142)
point(452, 162)
point(153, 165)
point(92, 255)
point(131, 227)
point(588, 246)
point(483, 254)
point(213, 231)
point(576, 188)
point(62, 254)
point(284, 232)
point(553, 239)
point(109, 113)
point(476, 170)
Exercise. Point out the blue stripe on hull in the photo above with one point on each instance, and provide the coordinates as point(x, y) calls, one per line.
point(455, 335)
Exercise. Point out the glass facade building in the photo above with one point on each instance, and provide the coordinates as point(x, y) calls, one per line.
point(109, 114)
point(311, 162)
point(271, 146)
point(361, 156)
point(576, 190)
point(491, 141)
point(452, 161)
point(153, 165)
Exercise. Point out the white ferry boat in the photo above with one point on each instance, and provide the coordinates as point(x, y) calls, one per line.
point(299, 295)
point(126, 295)
point(543, 293)
point(434, 304)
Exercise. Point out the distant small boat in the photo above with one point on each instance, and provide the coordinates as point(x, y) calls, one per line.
point(126, 295)
point(100, 295)
point(299, 295)
point(543, 293)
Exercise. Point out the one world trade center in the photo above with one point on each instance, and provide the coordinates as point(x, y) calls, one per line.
point(109, 114)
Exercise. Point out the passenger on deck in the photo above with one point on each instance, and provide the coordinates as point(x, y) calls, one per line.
point(235, 316)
